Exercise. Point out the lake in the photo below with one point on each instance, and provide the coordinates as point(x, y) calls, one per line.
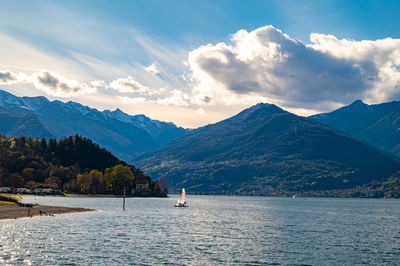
point(212, 230)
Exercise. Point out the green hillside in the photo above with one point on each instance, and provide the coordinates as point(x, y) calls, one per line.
point(265, 150)
point(73, 164)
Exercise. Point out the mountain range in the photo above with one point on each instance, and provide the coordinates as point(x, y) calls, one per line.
point(377, 125)
point(125, 135)
point(262, 150)
point(265, 150)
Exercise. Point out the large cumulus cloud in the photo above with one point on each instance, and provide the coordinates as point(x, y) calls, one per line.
point(382, 55)
point(267, 64)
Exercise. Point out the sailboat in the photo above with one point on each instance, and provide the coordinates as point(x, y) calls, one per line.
point(181, 200)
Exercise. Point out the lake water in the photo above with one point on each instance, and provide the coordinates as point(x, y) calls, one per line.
point(215, 230)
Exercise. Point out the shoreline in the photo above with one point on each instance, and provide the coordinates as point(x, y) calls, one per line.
point(16, 212)
point(75, 195)
point(314, 194)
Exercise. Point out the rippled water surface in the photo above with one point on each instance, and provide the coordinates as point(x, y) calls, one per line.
point(213, 230)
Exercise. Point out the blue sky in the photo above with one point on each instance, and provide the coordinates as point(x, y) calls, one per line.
point(190, 63)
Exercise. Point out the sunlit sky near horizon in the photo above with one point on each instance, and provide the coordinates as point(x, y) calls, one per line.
point(198, 62)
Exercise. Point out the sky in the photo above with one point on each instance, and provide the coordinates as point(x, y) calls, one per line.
point(198, 62)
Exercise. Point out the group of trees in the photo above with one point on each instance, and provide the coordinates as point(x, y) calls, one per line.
point(75, 164)
point(113, 180)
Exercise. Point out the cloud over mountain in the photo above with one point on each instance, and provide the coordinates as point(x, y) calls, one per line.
point(268, 63)
point(381, 56)
point(127, 85)
point(263, 65)
point(171, 98)
point(57, 85)
point(50, 82)
point(6, 76)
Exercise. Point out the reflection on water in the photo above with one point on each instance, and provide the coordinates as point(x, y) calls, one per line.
point(213, 230)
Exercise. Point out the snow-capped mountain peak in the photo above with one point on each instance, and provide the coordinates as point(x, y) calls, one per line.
point(125, 135)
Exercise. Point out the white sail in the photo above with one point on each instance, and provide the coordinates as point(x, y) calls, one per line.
point(183, 196)
point(181, 200)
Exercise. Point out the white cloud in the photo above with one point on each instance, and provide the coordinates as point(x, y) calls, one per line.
point(382, 55)
point(177, 98)
point(8, 77)
point(54, 84)
point(130, 100)
point(99, 83)
point(152, 69)
point(50, 82)
point(57, 85)
point(174, 98)
point(127, 85)
point(267, 65)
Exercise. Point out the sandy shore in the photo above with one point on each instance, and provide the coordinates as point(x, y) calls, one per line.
point(14, 211)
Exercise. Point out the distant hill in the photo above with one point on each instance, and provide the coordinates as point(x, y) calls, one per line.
point(265, 150)
point(377, 125)
point(125, 135)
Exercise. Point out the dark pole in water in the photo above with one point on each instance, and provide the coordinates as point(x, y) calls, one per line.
point(123, 201)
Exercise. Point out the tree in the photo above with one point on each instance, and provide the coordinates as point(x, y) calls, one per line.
point(118, 177)
point(72, 185)
point(27, 174)
point(85, 182)
point(31, 184)
point(4, 177)
point(53, 182)
point(16, 180)
point(98, 181)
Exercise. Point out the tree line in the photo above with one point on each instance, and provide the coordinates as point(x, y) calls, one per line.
point(74, 164)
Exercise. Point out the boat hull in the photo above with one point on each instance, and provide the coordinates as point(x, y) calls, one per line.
point(180, 206)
